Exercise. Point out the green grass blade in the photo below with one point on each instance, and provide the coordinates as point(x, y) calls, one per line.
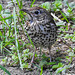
point(20, 5)
point(32, 3)
point(4, 20)
point(10, 17)
point(41, 70)
point(16, 38)
point(64, 16)
point(5, 70)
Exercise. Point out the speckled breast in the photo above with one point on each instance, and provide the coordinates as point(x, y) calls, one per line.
point(42, 35)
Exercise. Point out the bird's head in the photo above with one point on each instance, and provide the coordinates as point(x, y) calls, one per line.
point(38, 14)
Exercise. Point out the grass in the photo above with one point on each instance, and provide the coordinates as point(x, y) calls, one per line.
point(12, 44)
point(5, 70)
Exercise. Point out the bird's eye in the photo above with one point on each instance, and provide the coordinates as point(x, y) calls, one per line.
point(37, 12)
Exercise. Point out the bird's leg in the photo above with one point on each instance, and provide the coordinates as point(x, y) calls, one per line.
point(33, 57)
point(49, 52)
point(40, 54)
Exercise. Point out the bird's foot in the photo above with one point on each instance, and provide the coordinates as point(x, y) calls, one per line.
point(32, 60)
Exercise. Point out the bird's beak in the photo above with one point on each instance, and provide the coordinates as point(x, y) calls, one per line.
point(25, 10)
point(28, 12)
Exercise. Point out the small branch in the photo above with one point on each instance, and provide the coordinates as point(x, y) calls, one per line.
point(56, 17)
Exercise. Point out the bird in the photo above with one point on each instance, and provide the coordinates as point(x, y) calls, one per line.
point(41, 28)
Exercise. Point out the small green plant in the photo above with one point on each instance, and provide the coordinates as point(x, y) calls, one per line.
point(57, 4)
point(46, 5)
